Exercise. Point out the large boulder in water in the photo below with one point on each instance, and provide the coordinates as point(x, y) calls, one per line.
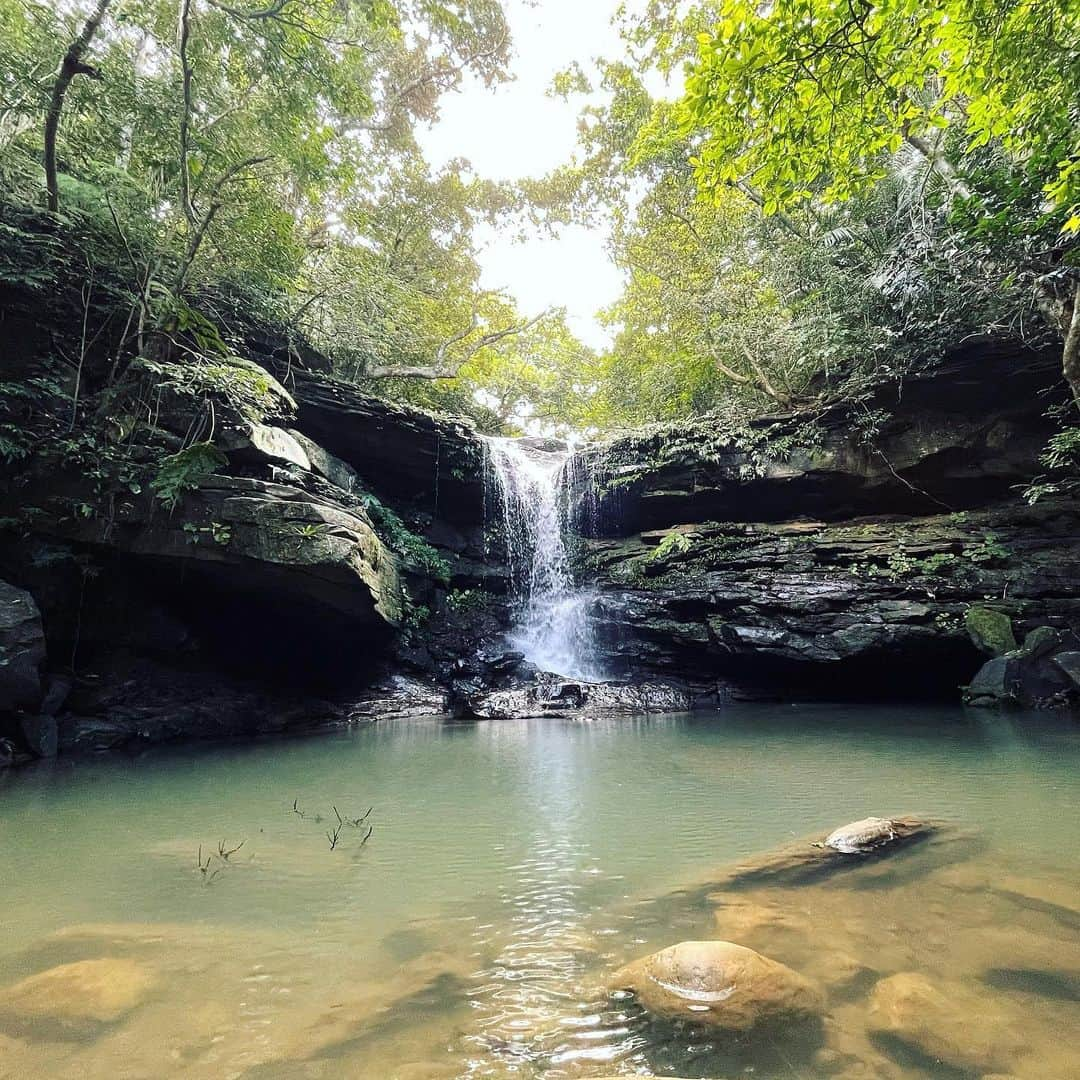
point(76, 999)
point(948, 1023)
point(720, 985)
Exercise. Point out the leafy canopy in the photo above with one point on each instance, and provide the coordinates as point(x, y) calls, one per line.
point(803, 99)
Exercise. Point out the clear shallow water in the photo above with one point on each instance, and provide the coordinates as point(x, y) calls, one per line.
point(512, 867)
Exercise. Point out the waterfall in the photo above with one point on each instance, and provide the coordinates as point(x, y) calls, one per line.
point(552, 626)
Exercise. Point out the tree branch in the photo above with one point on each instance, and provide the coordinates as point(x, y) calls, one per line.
point(429, 74)
point(71, 65)
point(937, 162)
point(440, 369)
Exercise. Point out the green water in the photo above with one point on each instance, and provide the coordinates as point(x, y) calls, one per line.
point(510, 868)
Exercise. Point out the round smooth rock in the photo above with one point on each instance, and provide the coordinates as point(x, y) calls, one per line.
point(861, 836)
point(720, 985)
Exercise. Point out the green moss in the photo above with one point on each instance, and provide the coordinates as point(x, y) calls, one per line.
point(990, 630)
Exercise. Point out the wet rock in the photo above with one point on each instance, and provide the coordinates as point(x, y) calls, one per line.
point(545, 694)
point(990, 630)
point(73, 999)
point(720, 985)
point(862, 836)
point(22, 649)
point(1069, 664)
point(944, 1022)
point(41, 734)
point(397, 698)
point(814, 859)
point(1029, 676)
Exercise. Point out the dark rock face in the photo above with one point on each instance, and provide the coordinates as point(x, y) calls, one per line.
point(22, 650)
point(962, 434)
point(267, 599)
point(1042, 672)
point(402, 453)
point(872, 608)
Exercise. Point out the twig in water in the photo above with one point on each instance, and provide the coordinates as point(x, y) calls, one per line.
point(231, 851)
point(204, 868)
point(355, 822)
point(296, 809)
point(333, 837)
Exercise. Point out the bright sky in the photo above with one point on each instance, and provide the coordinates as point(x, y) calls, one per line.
point(516, 130)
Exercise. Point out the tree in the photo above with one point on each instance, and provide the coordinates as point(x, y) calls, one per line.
point(265, 149)
point(806, 102)
point(71, 65)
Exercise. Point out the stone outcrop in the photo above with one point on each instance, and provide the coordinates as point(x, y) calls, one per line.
point(872, 607)
point(719, 985)
point(22, 650)
point(1041, 672)
point(406, 455)
point(262, 587)
point(962, 433)
point(797, 557)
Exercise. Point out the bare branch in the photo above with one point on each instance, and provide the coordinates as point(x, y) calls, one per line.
point(938, 163)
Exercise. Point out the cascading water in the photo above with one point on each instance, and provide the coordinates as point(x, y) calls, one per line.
point(552, 624)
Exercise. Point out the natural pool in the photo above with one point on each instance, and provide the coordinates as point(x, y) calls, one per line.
point(512, 867)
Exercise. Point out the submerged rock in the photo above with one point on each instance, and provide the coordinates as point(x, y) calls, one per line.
point(947, 1023)
point(77, 997)
point(813, 859)
point(720, 985)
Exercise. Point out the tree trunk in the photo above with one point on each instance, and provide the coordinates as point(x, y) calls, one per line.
point(70, 66)
point(1070, 353)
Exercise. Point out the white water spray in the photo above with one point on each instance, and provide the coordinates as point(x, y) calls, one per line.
point(552, 624)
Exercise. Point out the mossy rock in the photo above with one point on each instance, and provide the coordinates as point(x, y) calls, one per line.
point(990, 630)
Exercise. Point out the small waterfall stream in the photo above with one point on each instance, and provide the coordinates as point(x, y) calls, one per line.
point(552, 625)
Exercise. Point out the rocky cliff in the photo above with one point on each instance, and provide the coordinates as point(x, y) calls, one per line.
point(244, 544)
point(836, 556)
point(209, 535)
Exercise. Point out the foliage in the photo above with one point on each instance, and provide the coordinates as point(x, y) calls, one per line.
point(419, 554)
point(675, 543)
point(842, 194)
point(1062, 458)
point(467, 601)
point(185, 470)
point(806, 99)
point(267, 153)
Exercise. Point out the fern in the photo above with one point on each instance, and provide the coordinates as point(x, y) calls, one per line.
point(185, 471)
